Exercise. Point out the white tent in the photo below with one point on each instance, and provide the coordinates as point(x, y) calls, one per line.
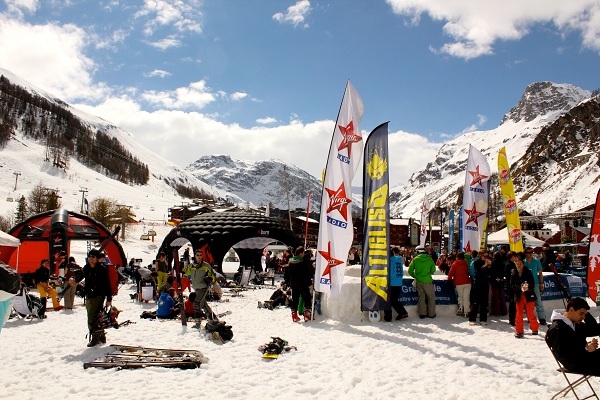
point(8, 240)
point(501, 237)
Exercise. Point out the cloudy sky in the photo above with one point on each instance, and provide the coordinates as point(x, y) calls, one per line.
point(261, 79)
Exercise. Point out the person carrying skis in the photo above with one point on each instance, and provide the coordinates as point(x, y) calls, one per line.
point(96, 290)
point(201, 276)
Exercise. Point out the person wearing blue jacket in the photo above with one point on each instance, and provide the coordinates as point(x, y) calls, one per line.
point(166, 305)
point(396, 278)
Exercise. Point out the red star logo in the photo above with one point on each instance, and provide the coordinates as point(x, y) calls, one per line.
point(57, 240)
point(477, 177)
point(331, 262)
point(473, 215)
point(338, 201)
point(467, 248)
point(348, 137)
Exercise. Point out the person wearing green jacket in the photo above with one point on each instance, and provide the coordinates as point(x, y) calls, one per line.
point(422, 268)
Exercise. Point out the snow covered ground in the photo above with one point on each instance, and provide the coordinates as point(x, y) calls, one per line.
point(441, 358)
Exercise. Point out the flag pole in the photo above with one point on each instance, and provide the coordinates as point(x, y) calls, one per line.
point(307, 216)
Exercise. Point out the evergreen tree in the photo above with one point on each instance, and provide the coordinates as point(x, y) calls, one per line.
point(22, 211)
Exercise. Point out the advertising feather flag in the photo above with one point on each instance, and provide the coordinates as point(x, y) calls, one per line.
point(336, 230)
point(593, 276)
point(511, 211)
point(475, 200)
point(424, 221)
point(376, 222)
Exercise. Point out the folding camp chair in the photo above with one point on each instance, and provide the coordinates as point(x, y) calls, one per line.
point(572, 384)
point(28, 305)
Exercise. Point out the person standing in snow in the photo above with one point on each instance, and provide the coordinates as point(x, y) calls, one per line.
point(480, 290)
point(522, 283)
point(73, 275)
point(96, 290)
point(201, 275)
point(300, 281)
point(498, 297)
point(535, 266)
point(459, 275)
point(422, 268)
point(567, 336)
point(162, 268)
point(396, 279)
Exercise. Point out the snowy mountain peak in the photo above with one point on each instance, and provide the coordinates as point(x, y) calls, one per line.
point(258, 182)
point(549, 119)
point(542, 98)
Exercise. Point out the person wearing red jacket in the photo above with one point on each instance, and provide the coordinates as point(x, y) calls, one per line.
point(459, 276)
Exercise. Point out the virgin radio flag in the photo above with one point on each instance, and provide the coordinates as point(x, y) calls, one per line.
point(376, 223)
point(475, 200)
point(335, 226)
point(593, 276)
point(424, 221)
point(511, 212)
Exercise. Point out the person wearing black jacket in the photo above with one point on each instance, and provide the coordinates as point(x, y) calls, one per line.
point(42, 281)
point(522, 286)
point(509, 267)
point(548, 258)
point(300, 281)
point(480, 291)
point(96, 290)
point(567, 338)
point(498, 297)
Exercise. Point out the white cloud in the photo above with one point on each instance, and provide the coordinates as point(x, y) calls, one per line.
point(18, 6)
point(481, 119)
point(196, 95)
point(295, 14)
point(266, 120)
point(237, 96)
point(166, 43)
point(185, 16)
point(475, 26)
point(157, 72)
point(66, 72)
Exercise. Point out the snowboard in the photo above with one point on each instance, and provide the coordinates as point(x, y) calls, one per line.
point(273, 349)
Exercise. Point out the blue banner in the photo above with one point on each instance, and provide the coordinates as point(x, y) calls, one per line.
point(446, 294)
point(375, 286)
point(451, 232)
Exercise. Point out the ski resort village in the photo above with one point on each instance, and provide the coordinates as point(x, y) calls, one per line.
point(228, 200)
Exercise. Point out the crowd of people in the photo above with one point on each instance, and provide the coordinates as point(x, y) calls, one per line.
point(479, 278)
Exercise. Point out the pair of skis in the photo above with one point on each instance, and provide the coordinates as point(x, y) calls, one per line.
point(128, 357)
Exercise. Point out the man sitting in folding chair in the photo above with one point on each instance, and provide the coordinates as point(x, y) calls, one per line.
point(567, 339)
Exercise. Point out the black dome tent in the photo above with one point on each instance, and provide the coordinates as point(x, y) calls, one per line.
point(244, 232)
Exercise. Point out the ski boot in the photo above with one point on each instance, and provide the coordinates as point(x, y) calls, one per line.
point(307, 315)
point(295, 316)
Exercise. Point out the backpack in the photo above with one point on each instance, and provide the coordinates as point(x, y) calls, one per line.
point(223, 330)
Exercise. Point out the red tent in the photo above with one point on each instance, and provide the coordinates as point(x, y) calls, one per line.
point(49, 234)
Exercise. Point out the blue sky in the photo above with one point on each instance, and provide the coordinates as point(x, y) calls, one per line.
point(261, 79)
